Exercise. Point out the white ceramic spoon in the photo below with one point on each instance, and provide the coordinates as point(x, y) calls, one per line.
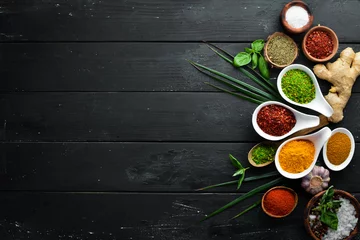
point(302, 121)
point(319, 138)
point(348, 159)
point(319, 103)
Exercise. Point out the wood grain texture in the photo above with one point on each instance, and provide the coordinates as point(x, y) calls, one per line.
point(119, 67)
point(144, 167)
point(112, 216)
point(206, 117)
point(162, 20)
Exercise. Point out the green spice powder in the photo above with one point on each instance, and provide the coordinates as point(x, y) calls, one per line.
point(298, 86)
point(281, 50)
point(263, 154)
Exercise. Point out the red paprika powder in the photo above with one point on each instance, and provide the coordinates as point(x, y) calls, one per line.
point(319, 44)
point(279, 202)
point(275, 120)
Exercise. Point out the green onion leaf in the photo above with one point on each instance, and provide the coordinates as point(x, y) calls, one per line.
point(247, 209)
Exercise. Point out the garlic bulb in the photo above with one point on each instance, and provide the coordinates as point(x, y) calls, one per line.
point(316, 181)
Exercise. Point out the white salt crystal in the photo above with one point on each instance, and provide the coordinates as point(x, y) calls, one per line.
point(297, 17)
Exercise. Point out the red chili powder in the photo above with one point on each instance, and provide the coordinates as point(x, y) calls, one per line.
point(275, 120)
point(279, 202)
point(319, 44)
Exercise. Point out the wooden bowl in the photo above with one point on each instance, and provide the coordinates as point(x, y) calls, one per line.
point(279, 187)
point(333, 37)
point(267, 58)
point(276, 145)
point(313, 200)
point(286, 25)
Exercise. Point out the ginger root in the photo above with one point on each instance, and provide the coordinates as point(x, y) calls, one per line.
point(342, 75)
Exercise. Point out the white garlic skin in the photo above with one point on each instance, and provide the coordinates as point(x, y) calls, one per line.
point(317, 180)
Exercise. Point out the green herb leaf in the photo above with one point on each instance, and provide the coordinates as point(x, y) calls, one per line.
point(263, 67)
point(241, 179)
point(241, 171)
point(258, 45)
point(254, 60)
point(245, 196)
point(235, 162)
point(242, 59)
point(249, 50)
point(330, 219)
point(248, 209)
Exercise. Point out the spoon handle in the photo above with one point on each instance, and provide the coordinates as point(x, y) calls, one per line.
point(323, 122)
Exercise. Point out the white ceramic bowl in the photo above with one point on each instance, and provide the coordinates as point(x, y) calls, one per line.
point(319, 138)
point(302, 121)
point(319, 103)
point(351, 154)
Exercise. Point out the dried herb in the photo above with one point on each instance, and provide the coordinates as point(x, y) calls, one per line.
point(263, 153)
point(281, 50)
point(298, 86)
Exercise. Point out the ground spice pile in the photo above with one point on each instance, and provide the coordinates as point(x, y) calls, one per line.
point(281, 50)
point(338, 148)
point(279, 202)
point(298, 86)
point(296, 156)
point(275, 120)
point(319, 44)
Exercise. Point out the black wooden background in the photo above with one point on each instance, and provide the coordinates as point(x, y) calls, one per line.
point(106, 130)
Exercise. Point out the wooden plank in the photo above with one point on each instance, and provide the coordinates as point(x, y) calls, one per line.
point(162, 20)
point(139, 216)
point(144, 167)
point(118, 66)
point(205, 117)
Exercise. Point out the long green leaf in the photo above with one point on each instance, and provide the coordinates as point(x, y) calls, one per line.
point(247, 209)
point(238, 88)
point(241, 179)
point(245, 196)
point(236, 94)
point(235, 162)
point(222, 50)
point(248, 179)
point(243, 84)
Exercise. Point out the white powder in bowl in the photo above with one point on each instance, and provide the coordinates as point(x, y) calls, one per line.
point(347, 221)
point(297, 17)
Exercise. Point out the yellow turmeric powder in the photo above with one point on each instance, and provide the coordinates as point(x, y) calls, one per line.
point(338, 148)
point(296, 156)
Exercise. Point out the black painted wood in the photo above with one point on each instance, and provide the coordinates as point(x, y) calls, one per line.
point(148, 167)
point(140, 216)
point(206, 117)
point(123, 67)
point(163, 20)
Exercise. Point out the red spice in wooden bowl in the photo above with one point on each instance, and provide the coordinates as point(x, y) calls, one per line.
point(279, 201)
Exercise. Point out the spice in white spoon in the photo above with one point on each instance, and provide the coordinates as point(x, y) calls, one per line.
point(297, 17)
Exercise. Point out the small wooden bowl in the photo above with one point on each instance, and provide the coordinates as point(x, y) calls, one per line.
point(276, 145)
point(333, 37)
point(267, 58)
point(286, 25)
point(279, 187)
point(313, 200)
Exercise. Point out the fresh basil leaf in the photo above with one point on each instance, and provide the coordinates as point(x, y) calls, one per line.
point(242, 59)
point(254, 60)
point(263, 67)
point(330, 219)
point(258, 45)
point(235, 162)
point(241, 171)
point(249, 50)
point(241, 179)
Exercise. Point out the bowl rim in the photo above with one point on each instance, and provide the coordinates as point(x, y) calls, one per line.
point(296, 128)
point(279, 187)
point(316, 197)
point(287, 25)
point(318, 94)
point(267, 58)
point(347, 161)
point(333, 36)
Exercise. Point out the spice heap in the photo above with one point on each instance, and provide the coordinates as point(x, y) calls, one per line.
point(281, 50)
point(297, 17)
point(298, 86)
point(319, 44)
point(275, 120)
point(263, 153)
point(338, 148)
point(296, 156)
point(279, 202)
